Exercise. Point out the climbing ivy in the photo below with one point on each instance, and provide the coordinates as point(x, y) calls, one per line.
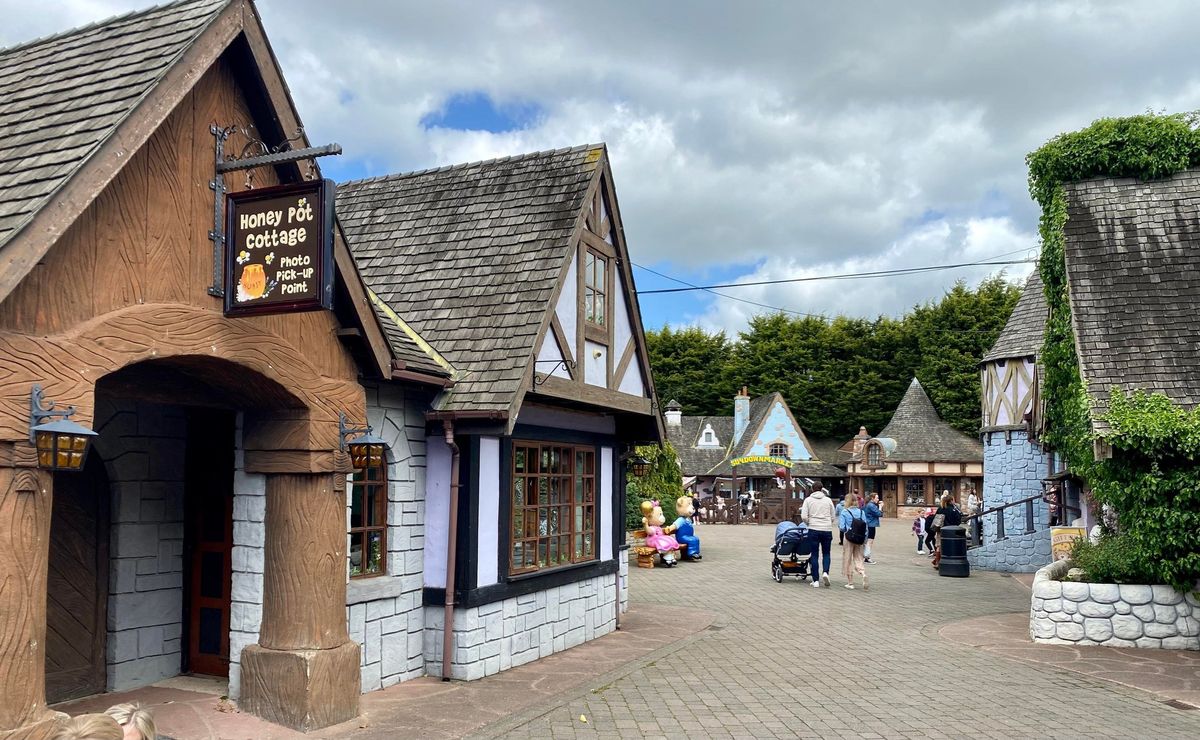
point(1152, 480)
point(662, 483)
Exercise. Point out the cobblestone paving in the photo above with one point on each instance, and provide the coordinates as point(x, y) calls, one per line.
point(788, 660)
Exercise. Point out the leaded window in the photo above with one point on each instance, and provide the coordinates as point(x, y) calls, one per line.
point(368, 521)
point(595, 288)
point(553, 506)
point(779, 450)
point(874, 455)
point(914, 491)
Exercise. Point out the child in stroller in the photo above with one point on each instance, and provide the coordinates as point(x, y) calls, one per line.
point(791, 550)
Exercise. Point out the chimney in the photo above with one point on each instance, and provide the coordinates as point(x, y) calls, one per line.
point(674, 413)
point(741, 414)
point(860, 440)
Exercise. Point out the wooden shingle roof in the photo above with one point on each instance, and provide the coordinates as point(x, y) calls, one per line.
point(64, 95)
point(920, 435)
point(1023, 333)
point(1133, 272)
point(469, 257)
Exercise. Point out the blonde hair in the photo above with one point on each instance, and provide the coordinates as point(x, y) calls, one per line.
point(945, 497)
point(90, 727)
point(133, 714)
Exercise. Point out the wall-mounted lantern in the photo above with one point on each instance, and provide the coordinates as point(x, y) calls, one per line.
point(638, 465)
point(366, 448)
point(61, 444)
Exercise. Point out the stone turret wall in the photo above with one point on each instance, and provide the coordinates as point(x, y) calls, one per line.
point(1111, 615)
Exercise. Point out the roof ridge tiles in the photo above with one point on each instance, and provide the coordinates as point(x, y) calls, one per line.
point(25, 45)
point(477, 163)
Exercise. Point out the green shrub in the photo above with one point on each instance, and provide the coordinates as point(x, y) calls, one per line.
point(663, 483)
point(1113, 559)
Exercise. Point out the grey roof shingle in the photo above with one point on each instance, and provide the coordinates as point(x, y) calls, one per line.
point(1133, 271)
point(716, 461)
point(1023, 333)
point(62, 96)
point(920, 435)
point(469, 257)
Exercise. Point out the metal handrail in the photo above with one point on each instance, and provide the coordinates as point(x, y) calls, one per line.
point(974, 522)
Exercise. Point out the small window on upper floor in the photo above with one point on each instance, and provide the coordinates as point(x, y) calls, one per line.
point(779, 449)
point(595, 288)
point(708, 438)
point(874, 455)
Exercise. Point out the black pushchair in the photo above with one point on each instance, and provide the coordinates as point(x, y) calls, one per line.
point(791, 553)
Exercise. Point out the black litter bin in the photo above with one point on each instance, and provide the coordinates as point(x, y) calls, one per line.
point(954, 553)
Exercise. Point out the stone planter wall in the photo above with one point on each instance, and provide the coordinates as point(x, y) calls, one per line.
point(1111, 615)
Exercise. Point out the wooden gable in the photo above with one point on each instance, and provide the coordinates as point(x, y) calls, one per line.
point(123, 276)
point(592, 347)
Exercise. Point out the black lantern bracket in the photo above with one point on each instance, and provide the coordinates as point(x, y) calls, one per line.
point(254, 154)
point(40, 410)
point(345, 431)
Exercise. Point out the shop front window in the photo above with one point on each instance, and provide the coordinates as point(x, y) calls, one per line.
point(553, 506)
point(941, 485)
point(368, 521)
point(914, 491)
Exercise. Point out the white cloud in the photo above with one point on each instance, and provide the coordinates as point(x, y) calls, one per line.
point(803, 137)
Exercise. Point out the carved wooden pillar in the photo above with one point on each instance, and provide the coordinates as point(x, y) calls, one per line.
point(25, 498)
point(304, 671)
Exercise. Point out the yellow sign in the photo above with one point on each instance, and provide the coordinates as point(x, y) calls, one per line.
point(1061, 540)
point(782, 462)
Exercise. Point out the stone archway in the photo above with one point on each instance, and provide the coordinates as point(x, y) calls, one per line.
point(303, 670)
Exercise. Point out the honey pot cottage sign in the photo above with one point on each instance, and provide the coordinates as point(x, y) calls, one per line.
point(279, 253)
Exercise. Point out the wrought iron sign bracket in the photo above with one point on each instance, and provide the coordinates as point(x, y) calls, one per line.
point(281, 154)
point(345, 430)
point(565, 364)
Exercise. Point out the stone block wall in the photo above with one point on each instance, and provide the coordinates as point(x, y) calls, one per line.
point(249, 534)
point(143, 447)
point(1024, 553)
point(508, 633)
point(1111, 615)
point(1013, 469)
point(385, 613)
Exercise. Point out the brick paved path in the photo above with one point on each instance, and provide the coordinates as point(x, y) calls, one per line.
point(788, 660)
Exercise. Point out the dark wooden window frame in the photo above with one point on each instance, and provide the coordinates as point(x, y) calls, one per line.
point(526, 521)
point(360, 489)
point(774, 450)
point(596, 295)
point(924, 486)
point(873, 456)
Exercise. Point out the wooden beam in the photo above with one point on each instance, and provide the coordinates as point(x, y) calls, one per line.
point(623, 366)
point(548, 385)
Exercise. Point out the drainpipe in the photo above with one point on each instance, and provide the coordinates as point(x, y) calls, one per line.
point(451, 551)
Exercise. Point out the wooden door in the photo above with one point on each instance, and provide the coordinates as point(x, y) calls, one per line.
point(889, 497)
point(209, 540)
point(77, 585)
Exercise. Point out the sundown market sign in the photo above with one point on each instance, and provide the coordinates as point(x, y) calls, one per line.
point(279, 254)
point(782, 462)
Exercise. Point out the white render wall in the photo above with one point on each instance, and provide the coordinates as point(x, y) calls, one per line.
point(384, 613)
point(508, 633)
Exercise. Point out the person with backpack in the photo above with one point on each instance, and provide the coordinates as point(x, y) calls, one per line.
point(873, 515)
point(854, 524)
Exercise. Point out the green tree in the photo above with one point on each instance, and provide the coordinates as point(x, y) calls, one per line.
point(689, 366)
point(662, 483)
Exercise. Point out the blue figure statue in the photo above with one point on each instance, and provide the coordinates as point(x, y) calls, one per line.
point(684, 530)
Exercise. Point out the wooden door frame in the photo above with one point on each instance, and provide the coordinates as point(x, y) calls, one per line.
point(99, 664)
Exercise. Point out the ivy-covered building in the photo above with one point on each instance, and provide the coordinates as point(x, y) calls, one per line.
point(1120, 382)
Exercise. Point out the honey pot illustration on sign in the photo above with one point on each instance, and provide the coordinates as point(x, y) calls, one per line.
point(253, 282)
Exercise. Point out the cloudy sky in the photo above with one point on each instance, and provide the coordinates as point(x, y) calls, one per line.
point(749, 141)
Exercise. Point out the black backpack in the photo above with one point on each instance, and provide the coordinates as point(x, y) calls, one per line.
point(857, 534)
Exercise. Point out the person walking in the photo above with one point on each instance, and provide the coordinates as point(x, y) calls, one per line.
point(873, 514)
point(818, 513)
point(918, 529)
point(853, 523)
point(972, 504)
point(930, 531)
point(837, 513)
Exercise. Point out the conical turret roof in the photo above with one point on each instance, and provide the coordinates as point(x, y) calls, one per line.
point(1022, 335)
point(921, 435)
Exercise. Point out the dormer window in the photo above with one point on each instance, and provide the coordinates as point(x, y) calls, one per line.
point(874, 455)
point(595, 288)
point(780, 449)
point(708, 438)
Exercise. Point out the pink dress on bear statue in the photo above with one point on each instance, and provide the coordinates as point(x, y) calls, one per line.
point(659, 541)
